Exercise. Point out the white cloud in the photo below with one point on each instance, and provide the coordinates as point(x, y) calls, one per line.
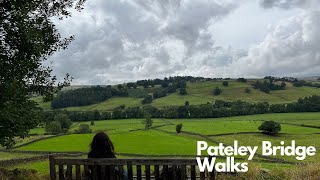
point(121, 41)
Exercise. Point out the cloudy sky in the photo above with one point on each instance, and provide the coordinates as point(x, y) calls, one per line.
point(125, 40)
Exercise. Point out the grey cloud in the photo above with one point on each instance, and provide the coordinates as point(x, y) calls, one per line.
point(127, 40)
point(121, 41)
point(292, 48)
point(286, 4)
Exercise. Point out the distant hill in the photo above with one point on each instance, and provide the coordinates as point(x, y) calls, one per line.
point(198, 92)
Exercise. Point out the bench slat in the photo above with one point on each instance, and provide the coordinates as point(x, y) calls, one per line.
point(78, 172)
point(156, 172)
point(69, 172)
point(139, 172)
point(202, 176)
point(61, 172)
point(86, 172)
point(130, 172)
point(193, 172)
point(52, 168)
point(183, 172)
point(148, 175)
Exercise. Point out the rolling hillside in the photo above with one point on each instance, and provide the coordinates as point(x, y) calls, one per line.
point(199, 93)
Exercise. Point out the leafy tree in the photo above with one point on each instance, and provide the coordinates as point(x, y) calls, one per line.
point(147, 121)
point(242, 80)
point(183, 91)
point(83, 129)
point(53, 127)
point(270, 127)
point(96, 115)
point(64, 120)
point(28, 37)
point(187, 104)
point(147, 100)
point(171, 88)
point(217, 91)
point(179, 127)
point(106, 115)
point(159, 93)
point(225, 83)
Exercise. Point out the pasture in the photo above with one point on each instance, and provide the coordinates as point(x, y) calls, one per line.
point(131, 140)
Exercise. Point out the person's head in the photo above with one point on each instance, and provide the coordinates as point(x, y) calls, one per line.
point(102, 143)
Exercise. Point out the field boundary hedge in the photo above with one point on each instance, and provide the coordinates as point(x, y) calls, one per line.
point(36, 140)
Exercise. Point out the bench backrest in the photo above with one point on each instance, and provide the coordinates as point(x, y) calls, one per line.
point(133, 168)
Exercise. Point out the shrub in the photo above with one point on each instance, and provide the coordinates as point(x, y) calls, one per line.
point(247, 90)
point(183, 91)
point(64, 121)
point(270, 127)
point(179, 127)
point(147, 122)
point(83, 129)
point(53, 127)
point(92, 123)
point(147, 100)
point(217, 91)
point(225, 83)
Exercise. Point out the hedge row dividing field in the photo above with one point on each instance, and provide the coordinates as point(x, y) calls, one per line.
point(129, 137)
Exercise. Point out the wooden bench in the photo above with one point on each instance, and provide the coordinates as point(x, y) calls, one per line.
point(135, 168)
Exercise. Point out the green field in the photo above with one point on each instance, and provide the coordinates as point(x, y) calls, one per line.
point(132, 140)
point(118, 126)
point(150, 142)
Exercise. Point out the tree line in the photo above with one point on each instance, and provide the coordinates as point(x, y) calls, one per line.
point(218, 108)
point(86, 96)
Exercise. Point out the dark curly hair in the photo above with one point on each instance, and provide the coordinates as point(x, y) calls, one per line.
point(101, 147)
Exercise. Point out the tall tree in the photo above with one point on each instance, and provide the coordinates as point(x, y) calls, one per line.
point(28, 37)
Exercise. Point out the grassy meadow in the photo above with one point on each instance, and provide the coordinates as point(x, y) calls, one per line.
point(130, 138)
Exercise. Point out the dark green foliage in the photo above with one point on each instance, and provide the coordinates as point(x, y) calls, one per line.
point(305, 83)
point(171, 89)
point(270, 127)
point(247, 90)
point(242, 80)
point(81, 97)
point(183, 91)
point(131, 85)
point(159, 93)
point(217, 91)
point(87, 96)
point(92, 123)
point(53, 127)
point(267, 85)
point(83, 129)
point(187, 104)
point(164, 84)
point(147, 100)
point(96, 115)
point(28, 37)
point(106, 115)
point(225, 83)
point(64, 120)
point(147, 122)
point(179, 127)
